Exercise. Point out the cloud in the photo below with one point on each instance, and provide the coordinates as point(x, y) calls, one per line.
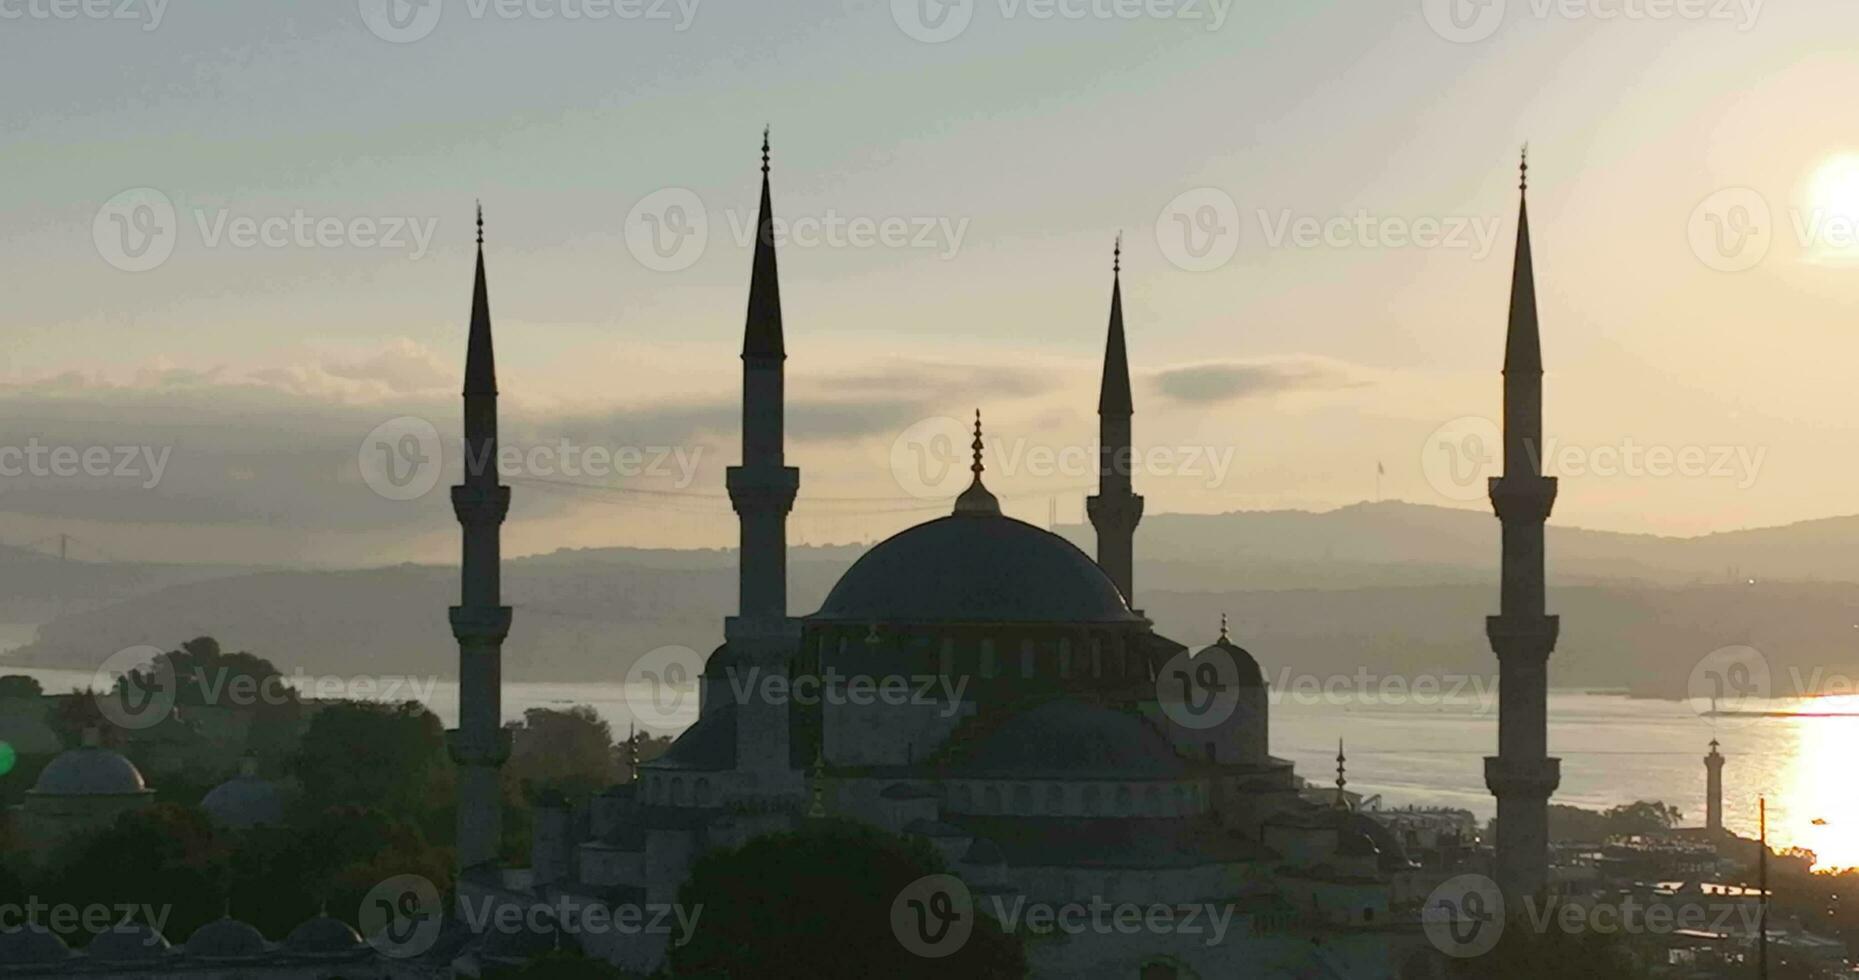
point(1206, 384)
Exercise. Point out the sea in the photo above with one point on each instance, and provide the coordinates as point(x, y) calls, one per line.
point(1615, 749)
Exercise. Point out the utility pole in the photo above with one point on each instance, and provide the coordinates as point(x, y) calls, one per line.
point(1762, 882)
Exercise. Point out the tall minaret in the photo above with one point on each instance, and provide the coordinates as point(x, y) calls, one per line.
point(1522, 775)
point(1115, 510)
point(762, 489)
point(1713, 789)
point(480, 621)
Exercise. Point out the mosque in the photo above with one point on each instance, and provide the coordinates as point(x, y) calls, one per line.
point(1068, 753)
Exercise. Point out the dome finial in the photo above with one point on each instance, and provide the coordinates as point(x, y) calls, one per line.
point(976, 500)
point(1342, 801)
point(1224, 636)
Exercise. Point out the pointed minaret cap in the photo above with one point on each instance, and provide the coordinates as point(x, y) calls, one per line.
point(1113, 397)
point(1523, 346)
point(977, 501)
point(762, 335)
point(480, 360)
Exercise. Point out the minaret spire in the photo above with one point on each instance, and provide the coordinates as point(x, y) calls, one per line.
point(1342, 765)
point(1523, 775)
point(1116, 509)
point(480, 621)
point(762, 490)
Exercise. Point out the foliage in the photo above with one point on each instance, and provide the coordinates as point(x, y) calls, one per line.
point(19, 686)
point(569, 751)
point(388, 757)
point(816, 903)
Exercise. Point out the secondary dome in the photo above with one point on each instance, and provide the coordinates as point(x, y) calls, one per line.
point(323, 936)
point(245, 801)
point(133, 943)
point(976, 568)
point(226, 939)
point(90, 771)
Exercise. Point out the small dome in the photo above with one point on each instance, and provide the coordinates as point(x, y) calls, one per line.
point(322, 936)
point(32, 944)
point(975, 568)
point(226, 939)
point(132, 943)
point(90, 771)
point(1247, 668)
point(245, 801)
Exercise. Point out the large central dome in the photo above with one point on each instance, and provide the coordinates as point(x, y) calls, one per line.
point(975, 568)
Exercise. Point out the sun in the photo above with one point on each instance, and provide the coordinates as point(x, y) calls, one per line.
point(1830, 228)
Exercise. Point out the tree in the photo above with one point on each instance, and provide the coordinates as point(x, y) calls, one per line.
point(1641, 818)
point(279, 878)
point(163, 856)
point(19, 686)
point(1525, 954)
point(563, 965)
point(568, 751)
point(391, 757)
point(817, 903)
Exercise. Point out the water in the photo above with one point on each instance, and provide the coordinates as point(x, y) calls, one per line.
point(1614, 750)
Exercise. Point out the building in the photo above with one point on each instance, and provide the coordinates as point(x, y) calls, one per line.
point(1062, 752)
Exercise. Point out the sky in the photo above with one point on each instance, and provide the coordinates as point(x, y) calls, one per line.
point(238, 241)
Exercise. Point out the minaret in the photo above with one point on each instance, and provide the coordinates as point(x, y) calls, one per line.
point(480, 621)
point(762, 489)
point(1713, 789)
point(1115, 510)
point(1522, 775)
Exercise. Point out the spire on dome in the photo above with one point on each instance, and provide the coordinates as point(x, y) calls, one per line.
point(762, 335)
point(1224, 636)
point(1113, 396)
point(480, 361)
point(1342, 800)
point(977, 500)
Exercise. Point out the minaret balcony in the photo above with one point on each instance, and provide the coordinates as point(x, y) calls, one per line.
point(1523, 497)
point(1526, 778)
point(762, 487)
